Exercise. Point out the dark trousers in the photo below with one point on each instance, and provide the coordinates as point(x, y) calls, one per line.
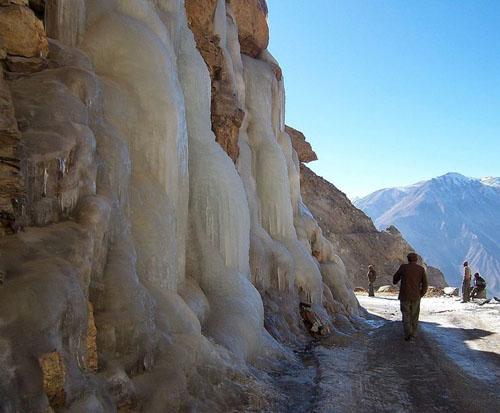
point(371, 291)
point(410, 311)
point(476, 291)
point(465, 290)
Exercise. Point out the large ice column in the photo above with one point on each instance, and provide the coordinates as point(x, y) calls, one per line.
point(308, 232)
point(131, 49)
point(264, 103)
point(65, 20)
point(218, 248)
point(272, 266)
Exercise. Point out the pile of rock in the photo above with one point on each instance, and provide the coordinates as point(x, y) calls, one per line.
point(450, 291)
point(388, 289)
point(434, 292)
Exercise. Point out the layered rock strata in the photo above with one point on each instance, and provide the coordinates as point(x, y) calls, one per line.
point(166, 246)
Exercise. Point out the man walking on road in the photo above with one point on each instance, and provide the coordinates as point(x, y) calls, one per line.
point(466, 283)
point(372, 276)
point(413, 287)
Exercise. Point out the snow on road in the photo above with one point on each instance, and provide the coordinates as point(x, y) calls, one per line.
point(468, 333)
point(452, 366)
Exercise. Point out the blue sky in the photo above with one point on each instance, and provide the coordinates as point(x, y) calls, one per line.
point(390, 92)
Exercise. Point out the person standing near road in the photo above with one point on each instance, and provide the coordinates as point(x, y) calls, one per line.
point(413, 287)
point(372, 276)
point(466, 283)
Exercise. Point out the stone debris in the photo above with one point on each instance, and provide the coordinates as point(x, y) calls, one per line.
point(388, 289)
point(452, 291)
point(434, 292)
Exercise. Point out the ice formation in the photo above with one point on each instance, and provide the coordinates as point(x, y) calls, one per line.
point(191, 265)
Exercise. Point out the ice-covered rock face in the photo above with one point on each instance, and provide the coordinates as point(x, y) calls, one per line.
point(173, 245)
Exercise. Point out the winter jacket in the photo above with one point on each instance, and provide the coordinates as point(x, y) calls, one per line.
point(479, 282)
point(467, 273)
point(413, 281)
point(372, 276)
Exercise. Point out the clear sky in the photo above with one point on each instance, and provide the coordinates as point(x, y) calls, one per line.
point(390, 92)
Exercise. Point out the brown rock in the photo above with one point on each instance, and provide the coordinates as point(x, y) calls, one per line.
point(53, 371)
point(91, 358)
point(301, 146)
point(227, 115)
point(22, 32)
point(226, 123)
point(253, 31)
point(200, 15)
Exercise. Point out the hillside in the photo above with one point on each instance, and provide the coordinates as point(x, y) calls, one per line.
point(354, 235)
point(450, 219)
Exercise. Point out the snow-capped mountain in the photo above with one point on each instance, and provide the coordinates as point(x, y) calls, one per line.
point(491, 181)
point(449, 219)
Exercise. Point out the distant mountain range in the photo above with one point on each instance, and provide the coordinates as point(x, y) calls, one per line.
point(449, 219)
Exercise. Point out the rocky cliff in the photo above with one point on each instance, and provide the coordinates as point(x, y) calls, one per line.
point(154, 245)
point(354, 235)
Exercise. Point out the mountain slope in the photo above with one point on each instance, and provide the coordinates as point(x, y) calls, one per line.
point(353, 234)
point(449, 219)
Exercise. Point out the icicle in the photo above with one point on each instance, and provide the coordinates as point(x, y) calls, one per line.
point(279, 279)
point(62, 166)
point(68, 200)
point(45, 180)
point(65, 20)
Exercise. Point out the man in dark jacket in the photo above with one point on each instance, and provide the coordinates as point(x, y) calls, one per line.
point(479, 286)
point(413, 287)
point(372, 276)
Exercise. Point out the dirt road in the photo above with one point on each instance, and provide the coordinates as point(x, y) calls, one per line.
point(443, 370)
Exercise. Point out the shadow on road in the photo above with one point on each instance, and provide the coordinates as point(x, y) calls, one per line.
point(439, 371)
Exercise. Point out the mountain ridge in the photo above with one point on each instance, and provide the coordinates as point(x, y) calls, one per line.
point(450, 218)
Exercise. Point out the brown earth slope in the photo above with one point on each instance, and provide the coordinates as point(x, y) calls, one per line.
point(354, 235)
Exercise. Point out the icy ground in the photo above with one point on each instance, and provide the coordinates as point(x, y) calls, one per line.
point(452, 366)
